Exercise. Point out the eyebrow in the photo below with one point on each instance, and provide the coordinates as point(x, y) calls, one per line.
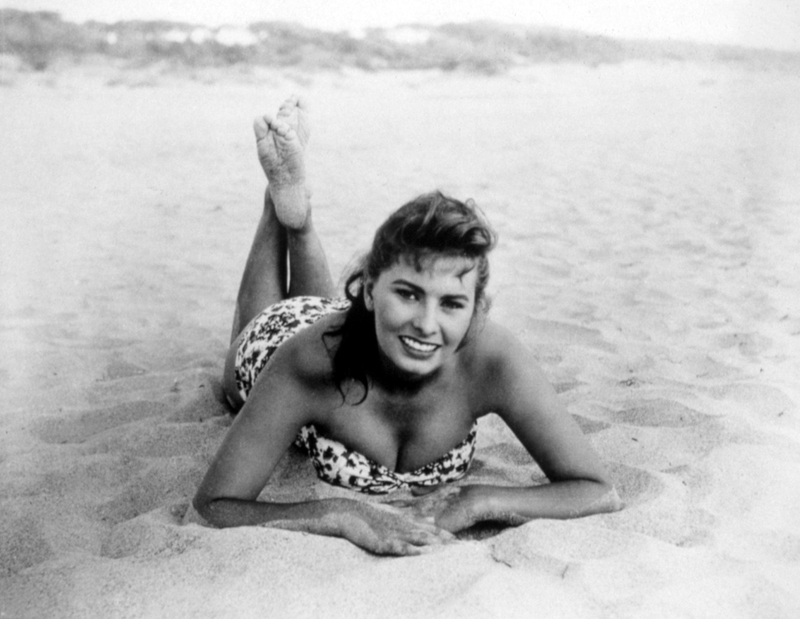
point(416, 288)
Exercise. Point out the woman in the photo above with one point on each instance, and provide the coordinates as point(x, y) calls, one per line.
point(384, 388)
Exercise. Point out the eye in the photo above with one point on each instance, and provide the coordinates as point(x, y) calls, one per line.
point(406, 294)
point(453, 304)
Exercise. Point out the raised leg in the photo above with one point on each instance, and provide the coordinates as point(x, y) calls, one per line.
point(309, 273)
point(265, 272)
point(285, 239)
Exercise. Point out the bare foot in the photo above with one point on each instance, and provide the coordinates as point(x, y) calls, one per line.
point(294, 111)
point(281, 154)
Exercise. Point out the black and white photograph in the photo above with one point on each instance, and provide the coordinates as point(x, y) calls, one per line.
point(410, 310)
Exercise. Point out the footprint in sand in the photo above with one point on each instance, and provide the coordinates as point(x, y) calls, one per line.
point(766, 403)
point(23, 543)
point(589, 425)
point(751, 345)
point(565, 334)
point(635, 485)
point(81, 427)
point(122, 369)
point(659, 413)
point(139, 485)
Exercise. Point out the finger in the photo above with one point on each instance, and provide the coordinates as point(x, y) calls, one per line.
point(421, 538)
point(444, 535)
point(423, 490)
point(430, 538)
point(399, 548)
point(402, 508)
point(394, 547)
point(427, 524)
point(414, 551)
point(424, 531)
point(399, 503)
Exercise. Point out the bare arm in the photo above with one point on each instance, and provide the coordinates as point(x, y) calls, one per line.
point(281, 402)
point(521, 395)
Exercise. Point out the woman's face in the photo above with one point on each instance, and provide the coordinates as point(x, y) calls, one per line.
point(422, 315)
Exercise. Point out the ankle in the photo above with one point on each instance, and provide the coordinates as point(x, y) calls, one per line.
point(302, 231)
point(291, 205)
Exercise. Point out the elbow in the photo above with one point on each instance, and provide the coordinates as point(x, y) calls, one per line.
point(608, 500)
point(599, 496)
point(218, 511)
point(202, 504)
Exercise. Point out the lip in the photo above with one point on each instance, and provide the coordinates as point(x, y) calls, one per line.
point(408, 343)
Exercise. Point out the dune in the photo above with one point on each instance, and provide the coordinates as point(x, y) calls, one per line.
point(647, 216)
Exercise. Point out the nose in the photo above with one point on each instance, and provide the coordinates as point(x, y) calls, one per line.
point(425, 319)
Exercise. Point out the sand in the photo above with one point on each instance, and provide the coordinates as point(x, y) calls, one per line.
point(649, 242)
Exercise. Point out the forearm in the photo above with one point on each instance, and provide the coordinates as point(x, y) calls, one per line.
point(323, 517)
point(375, 528)
point(561, 500)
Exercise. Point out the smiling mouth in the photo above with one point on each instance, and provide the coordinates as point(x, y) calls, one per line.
point(418, 346)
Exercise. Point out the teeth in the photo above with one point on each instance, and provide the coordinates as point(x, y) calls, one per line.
point(411, 343)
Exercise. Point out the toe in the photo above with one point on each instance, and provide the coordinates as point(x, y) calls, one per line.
point(285, 109)
point(282, 128)
point(261, 127)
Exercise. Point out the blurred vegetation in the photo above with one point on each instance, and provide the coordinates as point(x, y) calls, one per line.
point(40, 39)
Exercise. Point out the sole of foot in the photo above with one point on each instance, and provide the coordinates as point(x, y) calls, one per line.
point(281, 154)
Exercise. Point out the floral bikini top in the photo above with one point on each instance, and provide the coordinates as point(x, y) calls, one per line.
point(340, 466)
point(335, 463)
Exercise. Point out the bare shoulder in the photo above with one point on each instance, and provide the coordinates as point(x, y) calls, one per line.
point(497, 349)
point(306, 356)
point(504, 367)
point(297, 382)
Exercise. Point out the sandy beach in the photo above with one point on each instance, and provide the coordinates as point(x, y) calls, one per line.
point(649, 225)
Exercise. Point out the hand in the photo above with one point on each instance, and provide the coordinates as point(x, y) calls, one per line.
point(452, 508)
point(389, 530)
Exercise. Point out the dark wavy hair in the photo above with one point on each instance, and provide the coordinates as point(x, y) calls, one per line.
point(429, 226)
